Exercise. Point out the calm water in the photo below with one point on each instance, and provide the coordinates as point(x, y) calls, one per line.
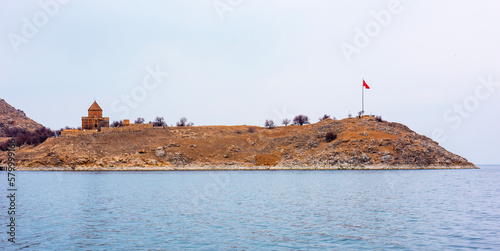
point(255, 210)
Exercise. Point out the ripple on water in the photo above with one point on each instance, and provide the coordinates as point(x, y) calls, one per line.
point(389, 209)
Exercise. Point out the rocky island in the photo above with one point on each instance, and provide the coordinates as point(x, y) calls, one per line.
point(351, 143)
point(365, 142)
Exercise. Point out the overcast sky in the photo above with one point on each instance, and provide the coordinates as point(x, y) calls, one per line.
point(431, 65)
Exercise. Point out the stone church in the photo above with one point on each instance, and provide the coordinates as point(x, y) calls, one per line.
point(95, 120)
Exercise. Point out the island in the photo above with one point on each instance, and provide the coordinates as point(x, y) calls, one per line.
point(363, 142)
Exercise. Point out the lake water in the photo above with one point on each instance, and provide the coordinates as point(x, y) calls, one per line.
point(256, 210)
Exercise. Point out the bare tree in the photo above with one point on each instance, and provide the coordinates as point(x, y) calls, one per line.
point(349, 115)
point(117, 123)
point(301, 120)
point(285, 122)
point(324, 117)
point(183, 122)
point(270, 124)
point(159, 121)
point(139, 121)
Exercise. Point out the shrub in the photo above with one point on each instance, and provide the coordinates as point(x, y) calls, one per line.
point(251, 129)
point(330, 136)
point(24, 136)
point(324, 117)
point(285, 122)
point(270, 124)
point(378, 118)
point(139, 121)
point(301, 120)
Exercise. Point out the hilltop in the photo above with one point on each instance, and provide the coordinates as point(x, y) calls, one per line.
point(14, 121)
point(360, 143)
point(11, 117)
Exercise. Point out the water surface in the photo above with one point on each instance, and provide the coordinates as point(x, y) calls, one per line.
point(255, 210)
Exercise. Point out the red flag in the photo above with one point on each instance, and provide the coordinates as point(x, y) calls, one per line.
point(365, 85)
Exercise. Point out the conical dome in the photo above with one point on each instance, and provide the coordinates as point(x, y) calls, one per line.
point(95, 107)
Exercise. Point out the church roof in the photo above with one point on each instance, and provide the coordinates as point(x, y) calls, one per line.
point(95, 107)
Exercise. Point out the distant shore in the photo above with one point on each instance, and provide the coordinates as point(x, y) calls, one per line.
point(241, 168)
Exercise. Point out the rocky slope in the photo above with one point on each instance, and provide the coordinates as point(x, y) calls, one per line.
point(360, 143)
point(11, 117)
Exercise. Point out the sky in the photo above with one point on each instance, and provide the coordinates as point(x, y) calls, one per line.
point(431, 65)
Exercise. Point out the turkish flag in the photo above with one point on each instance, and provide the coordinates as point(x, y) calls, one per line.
point(365, 85)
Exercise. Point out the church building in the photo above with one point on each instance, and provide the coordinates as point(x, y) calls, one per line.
point(95, 120)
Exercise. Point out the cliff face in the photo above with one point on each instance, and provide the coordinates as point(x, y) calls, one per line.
point(359, 142)
point(11, 117)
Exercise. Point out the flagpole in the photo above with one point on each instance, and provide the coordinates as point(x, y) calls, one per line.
point(363, 99)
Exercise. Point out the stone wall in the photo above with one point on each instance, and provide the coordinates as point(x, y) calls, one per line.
point(74, 132)
point(129, 128)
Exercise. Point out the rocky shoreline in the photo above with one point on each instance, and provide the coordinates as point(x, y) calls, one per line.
point(242, 168)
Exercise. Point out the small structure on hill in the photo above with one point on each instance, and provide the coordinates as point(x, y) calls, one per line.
point(95, 120)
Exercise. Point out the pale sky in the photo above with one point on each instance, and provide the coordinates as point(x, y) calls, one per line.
point(431, 65)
